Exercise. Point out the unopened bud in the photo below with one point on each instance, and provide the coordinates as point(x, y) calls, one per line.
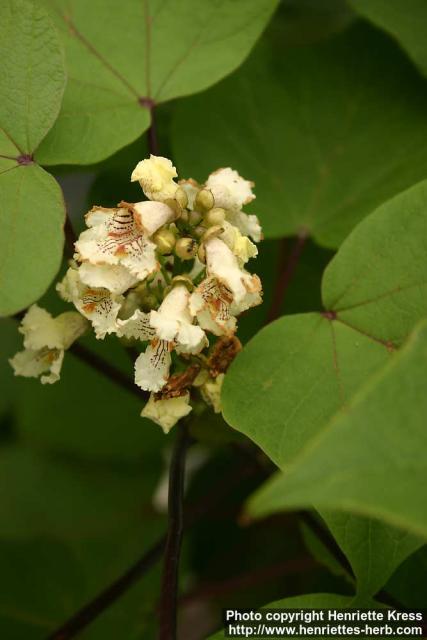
point(199, 231)
point(185, 280)
point(186, 248)
point(215, 216)
point(165, 241)
point(201, 254)
point(181, 197)
point(194, 218)
point(184, 215)
point(212, 232)
point(204, 200)
point(175, 206)
point(149, 301)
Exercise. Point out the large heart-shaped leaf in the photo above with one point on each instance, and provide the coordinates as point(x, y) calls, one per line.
point(122, 58)
point(374, 549)
point(31, 205)
point(306, 367)
point(327, 132)
point(370, 459)
point(406, 22)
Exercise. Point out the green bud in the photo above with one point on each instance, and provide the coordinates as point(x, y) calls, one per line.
point(165, 241)
point(184, 215)
point(214, 217)
point(204, 200)
point(175, 206)
point(149, 301)
point(194, 218)
point(186, 248)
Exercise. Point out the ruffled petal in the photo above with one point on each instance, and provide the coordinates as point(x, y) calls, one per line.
point(152, 366)
point(115, 278)
point(42, 331)
point(248, 224)
point(211, 303)
point(150, 216)
point(166, 413)
point(137, 326)
point(229, 189)
point(33, 363)
point(239, 244)
point(155, 175)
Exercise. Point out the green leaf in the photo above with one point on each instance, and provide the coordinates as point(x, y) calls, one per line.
point(330, 132)
point(31, 206)
point(306, 367)
point(31, 242)
point(119, 56)
point(374, 549)
point(70, 498)
point(308, 601)
point(373, 451)
point(406, 23)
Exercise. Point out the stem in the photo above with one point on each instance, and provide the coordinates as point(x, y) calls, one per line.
point(169, 588)
point(108, 370)
point(153, 142)
point(286, 270)
point(70, 237)
point(108, 596)
point(85, 616)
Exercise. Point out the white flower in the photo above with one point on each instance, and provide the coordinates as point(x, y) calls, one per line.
point(121, 237)
point(211, 391)
point(239, 244)
point(98, 305)
point(230, 190)
point(211, 303)
point(174, 322)
point(155, 175)
point(152, 366)
point(113, 277)
point(247, 224)
point(166, 413)
point(171, 327)
point(223, 264)
point(45, 340)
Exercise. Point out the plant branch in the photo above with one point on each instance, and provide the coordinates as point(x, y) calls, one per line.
point(286, 269)
point(153, 141)
point(108, 370)
point(93, 609)
point(169, 588)
point(70, 237)
point(110, 594)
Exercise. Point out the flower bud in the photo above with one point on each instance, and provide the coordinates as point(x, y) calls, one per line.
point(194, 218)
point(201, 254)
point(165, 241)
point(184, 216)
point(215, 216)
point(186, 248)
point(212, 232)
point(185, 280)
point(204, 200)
point(199, 231)
point(181, 197)
point(175, 206)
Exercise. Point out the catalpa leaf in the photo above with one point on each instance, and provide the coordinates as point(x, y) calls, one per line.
point(123, 58)
point(370, 459)
point(31, 205)
point(329, 133)
point(407, 23)
point(306, 367)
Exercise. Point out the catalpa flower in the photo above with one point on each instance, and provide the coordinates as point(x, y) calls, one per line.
point(163, 273)
point(156, 177)
point(226, 292)
point(169, 328)
point(121, 237)
point(97, 304)
point(45, 340)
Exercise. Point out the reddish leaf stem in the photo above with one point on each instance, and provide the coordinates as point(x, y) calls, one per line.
point(286, 270)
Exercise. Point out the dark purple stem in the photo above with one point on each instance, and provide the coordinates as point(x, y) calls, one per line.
point(287, 267)
point(169, 589)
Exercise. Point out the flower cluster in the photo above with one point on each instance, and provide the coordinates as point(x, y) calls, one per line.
point(165, 274)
